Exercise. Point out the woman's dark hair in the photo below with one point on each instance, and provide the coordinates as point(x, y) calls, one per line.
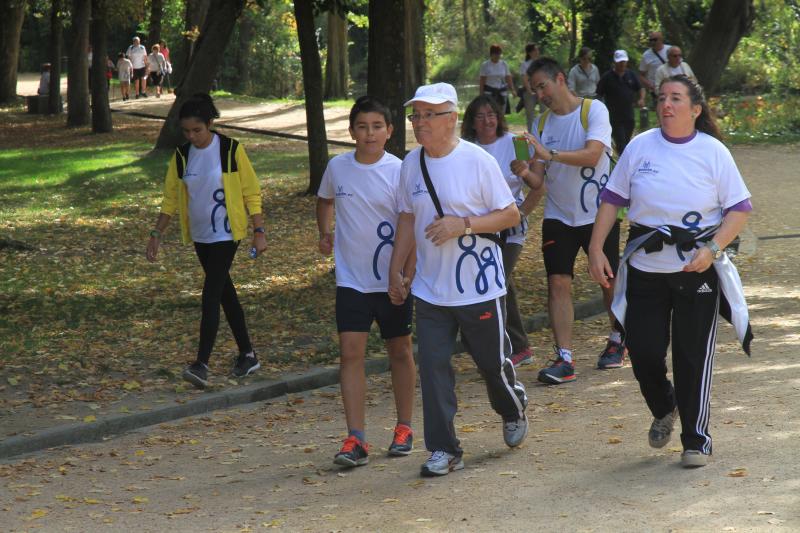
point(369, 104)
point(549, 65)
point(199, 106)
point(530, 47)
point(705, 121)
point(495, 49)
point(585, 51)
point(468, 123)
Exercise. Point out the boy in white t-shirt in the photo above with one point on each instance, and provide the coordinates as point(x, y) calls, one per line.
point(573, 147)
point(125, 73)
point(362, 188)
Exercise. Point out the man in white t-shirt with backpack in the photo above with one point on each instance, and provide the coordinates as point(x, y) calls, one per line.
point(453, 200)
point(572, 140)
point(137, 53)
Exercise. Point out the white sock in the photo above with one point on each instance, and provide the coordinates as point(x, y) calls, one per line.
point(250, 354)
point(565, 354)
point(615, 336)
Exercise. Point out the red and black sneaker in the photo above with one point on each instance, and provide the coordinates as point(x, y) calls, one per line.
point(353, 453)
point(612, 357)
point(403, 440)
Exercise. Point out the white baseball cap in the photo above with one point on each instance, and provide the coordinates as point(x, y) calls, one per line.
point(436, 93)
point(620, 55)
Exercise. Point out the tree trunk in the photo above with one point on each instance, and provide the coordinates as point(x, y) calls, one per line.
point(336, 64)
point(78, 65)
point(56, 31)
point(12, 13)
point(727, 22)
point(674, 27)
point(386, 65)
point(206, 60)
point(469, 46)
point(194, 19)
point(488, 19)
point(98, 35)
point(414, 45)
point(601, 28)
point(246, 33)
point(312, 87)
point(156, 13)
point(573, 30)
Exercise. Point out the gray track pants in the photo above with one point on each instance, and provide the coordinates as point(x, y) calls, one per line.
point(483, 333)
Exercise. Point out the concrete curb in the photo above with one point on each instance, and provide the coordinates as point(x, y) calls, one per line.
point(315, 378)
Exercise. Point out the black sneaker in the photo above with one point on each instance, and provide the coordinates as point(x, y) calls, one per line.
point(402, 442)
point(353, 453)
point(612, 357)
point(245, 365)
point(559, 371)
point(197, 374)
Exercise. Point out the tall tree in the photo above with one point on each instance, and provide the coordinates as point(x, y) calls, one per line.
point(243, 60)
point(78, 65)
point(336, 63)
point(602, 25)
point(194, 19)
point(56, 31)
point(312, 87)
point(727, 22)
point(414, 44)
point(98, 35)
point(206, 60)
point(154, 29)
point(386, 68)
point(12, 13)
point(469, 42)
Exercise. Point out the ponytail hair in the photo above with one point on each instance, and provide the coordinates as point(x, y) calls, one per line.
point(705, 121)
point(199, 106)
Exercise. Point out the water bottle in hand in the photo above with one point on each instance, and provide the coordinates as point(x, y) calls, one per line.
point(253, 252)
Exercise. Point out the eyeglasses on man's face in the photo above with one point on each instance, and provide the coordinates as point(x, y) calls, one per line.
point(427, 115)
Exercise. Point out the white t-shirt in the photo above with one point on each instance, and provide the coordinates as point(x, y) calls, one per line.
point(523, 68)
point(366, 203)
point(208, 216)
point(650, 61)
point(503, 152)
point(582, 83)
point(468, 182)
point(572, 192)
point(686, 185)
point(156, 62)
point(665, 71)
point(137, 55)
point(124, 67)
point(495, 73)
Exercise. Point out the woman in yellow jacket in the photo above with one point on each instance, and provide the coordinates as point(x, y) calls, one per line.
point(212, 187)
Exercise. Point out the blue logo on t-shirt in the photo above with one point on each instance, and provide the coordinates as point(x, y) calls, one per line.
point(219, 199)
point(419, 190)
point(484, 261)
point(386, 239)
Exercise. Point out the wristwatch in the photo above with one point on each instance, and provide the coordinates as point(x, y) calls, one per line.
point(259, 229)
point(716, 252)
point(553, 154)
point(467, 226)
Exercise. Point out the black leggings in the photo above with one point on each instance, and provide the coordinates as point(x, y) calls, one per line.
point(218, 288)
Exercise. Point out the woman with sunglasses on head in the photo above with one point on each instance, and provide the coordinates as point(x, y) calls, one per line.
point(687, 201)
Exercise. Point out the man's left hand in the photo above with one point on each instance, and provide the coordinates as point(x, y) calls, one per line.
point(443, 229)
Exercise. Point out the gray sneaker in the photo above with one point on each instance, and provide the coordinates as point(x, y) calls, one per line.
point(693, 459)
point(440, 464)
point(661, 429)
point(514, 432)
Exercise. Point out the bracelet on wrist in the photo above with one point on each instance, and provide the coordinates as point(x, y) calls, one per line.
point(259, 229)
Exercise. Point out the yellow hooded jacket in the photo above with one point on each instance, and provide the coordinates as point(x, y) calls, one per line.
point(242, 190)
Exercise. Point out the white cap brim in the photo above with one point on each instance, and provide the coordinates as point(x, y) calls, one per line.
point(435, 100)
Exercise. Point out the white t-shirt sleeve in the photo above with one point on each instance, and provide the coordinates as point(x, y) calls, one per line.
point(403, 199)
point(506, 68)
point(620, 180)
point(326, 186)
point(494, 189)
point(571, 79)
point(599, 124)
point(730, 186)
point(483, 71)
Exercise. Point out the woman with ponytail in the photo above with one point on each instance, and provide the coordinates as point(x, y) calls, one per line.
point(212, 187)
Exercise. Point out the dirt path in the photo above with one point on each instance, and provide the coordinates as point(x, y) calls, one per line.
point(586, 465)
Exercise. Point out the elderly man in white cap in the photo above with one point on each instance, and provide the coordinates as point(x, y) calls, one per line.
point(620, 89)
point(452, 216)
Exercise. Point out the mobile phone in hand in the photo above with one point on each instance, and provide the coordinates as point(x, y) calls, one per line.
point(521, 150)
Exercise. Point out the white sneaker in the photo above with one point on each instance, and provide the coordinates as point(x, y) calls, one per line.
point(661, 429)
point(693, 459)
point(441, 464)
point(514, 432)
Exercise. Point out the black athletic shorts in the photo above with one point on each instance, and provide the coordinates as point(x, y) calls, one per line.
point(356, 310)
point(155, 78)
point(139, 73)
point(560, 245)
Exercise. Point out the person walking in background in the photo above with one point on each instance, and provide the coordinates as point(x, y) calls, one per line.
point(138, 56)
point(583, 77)
point(619, 88)
point(572, 143)
point(124, 73)
point(453, 201)
point(156, 64)
point(167, 67)
point(652, 58)
point(675, 66)
point(495, 78)
point(528, 95)
point(212, 187)
point(687, 201)
point(485, 126)
point(44, 80)
point(362, 188)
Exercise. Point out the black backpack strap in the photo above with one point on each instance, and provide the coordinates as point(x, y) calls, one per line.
point(494, 237)
point(181, 158)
